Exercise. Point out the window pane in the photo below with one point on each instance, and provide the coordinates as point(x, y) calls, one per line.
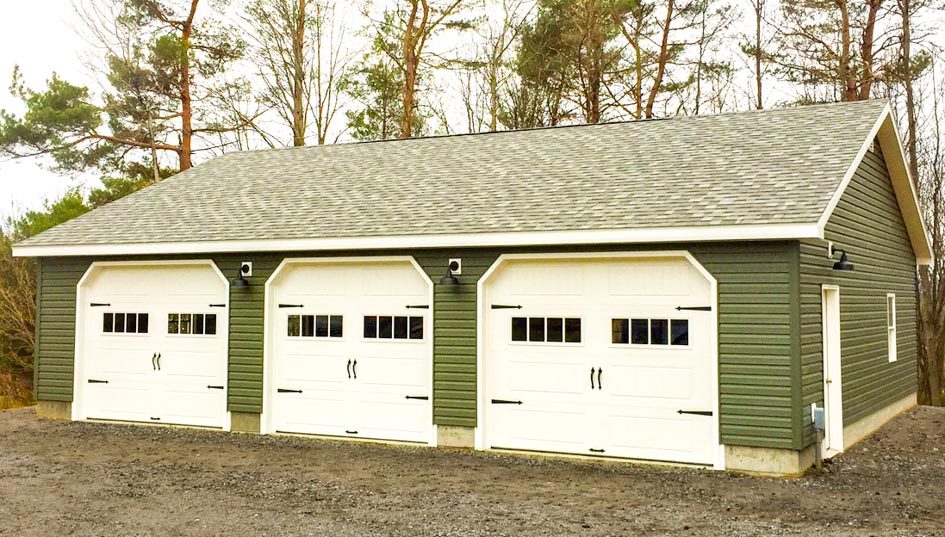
point(335, 326)
point(639, 331)
point(142, 323)
point(172, 323)
point(131, 323)
point(384, 327)
point(210, 324)
point(555, 330)
point(572, 330)
point(400, 327)
point(659, 331)
point(416, 328)
point(620, 331)
point(321, 326)
point(370, 327)
point(184, 323)
point(680, 331)
point(198, 323)
point(519, 329)
point(890, 311)
point(119, 322)
point(108, 322)
point(294, 325)
point(307, 323)
point(536, 329)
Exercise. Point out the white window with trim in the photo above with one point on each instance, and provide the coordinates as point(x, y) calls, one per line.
point(891, 325)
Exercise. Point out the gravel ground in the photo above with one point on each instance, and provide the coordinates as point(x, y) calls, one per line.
point(63, 478)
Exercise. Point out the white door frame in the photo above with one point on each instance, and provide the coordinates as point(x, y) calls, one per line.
point(832, 382)
point(78, 372)
point(480, 440)
point(265, 421)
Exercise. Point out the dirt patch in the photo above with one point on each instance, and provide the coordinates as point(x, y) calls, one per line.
point(92, 479)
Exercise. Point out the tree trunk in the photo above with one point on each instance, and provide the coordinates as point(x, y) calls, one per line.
point(845, 69)
point(298, 75)
point(866, 50)
point(185, 151)
point(661, 61)
point(906, 7)
point(759, 8)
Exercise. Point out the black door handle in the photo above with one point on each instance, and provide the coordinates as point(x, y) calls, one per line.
point(351, 432)
point(349, 368)
point(153, 362)
point(592, 378)
point(354, 367)
point(599, 371)
point(159, 361)
point(597, 450)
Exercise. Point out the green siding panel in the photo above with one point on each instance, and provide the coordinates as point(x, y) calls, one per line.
point(868, 224)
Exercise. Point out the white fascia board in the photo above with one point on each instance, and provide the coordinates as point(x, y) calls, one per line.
point(886, 131)
point(538, 238)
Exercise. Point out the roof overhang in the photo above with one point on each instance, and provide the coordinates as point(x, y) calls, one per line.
point(886, 131)
point(523, 238)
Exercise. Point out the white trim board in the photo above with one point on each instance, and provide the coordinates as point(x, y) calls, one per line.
point(521, 238)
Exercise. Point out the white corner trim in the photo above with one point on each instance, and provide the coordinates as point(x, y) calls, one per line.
point(887, 132)
point(522, 238)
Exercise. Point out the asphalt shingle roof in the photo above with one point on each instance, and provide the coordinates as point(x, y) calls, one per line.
point(762, 167)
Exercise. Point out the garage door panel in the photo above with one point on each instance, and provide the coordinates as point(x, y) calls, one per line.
point(629, 406)
point(358, 382)
point(153, 373)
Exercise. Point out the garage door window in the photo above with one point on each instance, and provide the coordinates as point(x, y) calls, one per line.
point(125, 323)
point(198, 324)
point(673, 332)
point(393, 327)
point(316, 326)
point(546, 329)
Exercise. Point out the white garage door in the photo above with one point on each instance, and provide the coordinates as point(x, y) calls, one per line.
point(606, 356)
point(352, 349)
point(154, 345)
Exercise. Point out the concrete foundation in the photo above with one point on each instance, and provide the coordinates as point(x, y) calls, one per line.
point(244, 422)
point(768, 461)
point(57, 410)
point(455, 437)
point(868, 425)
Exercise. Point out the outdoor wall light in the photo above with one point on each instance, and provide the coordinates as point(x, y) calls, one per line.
point(844, 263)
point(449, 279)
point(240, 280)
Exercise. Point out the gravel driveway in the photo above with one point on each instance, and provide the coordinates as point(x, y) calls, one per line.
point(62, 478)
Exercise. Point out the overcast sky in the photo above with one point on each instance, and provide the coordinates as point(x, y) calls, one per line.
point(37, 34)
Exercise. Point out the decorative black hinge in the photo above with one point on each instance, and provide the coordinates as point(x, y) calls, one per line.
point(421, 397)
point(291, 305)
point(283, 390)
point(99, 304)
point(96, 381)
point(695, 412)
point(217, 305)
point(418, 307)
point(505, 402)
point(694, 308)
point(506, 307)
point(214, 387)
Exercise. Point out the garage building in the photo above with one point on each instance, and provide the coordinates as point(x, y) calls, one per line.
point(683, 290)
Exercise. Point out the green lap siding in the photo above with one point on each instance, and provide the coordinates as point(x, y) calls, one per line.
point(755, 343)
point(868, 224)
